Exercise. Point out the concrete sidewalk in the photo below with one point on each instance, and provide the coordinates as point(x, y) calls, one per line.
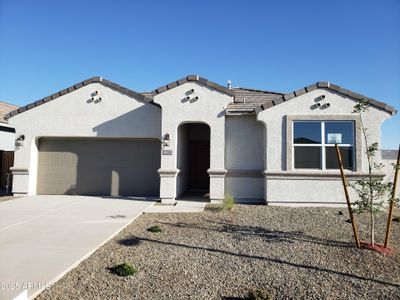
point(43, 237)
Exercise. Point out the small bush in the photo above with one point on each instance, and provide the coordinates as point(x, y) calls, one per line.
point(228, 203)
point(396, 219)
point(155, 229)
point(259, 295)
point(124, 269)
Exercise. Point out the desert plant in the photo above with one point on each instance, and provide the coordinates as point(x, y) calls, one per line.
point(259, 295)
point(372, 191)
point(228, 203)
point(124, 269)
point(154, 229)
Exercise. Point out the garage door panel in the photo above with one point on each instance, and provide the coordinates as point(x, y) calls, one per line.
point(99, 167)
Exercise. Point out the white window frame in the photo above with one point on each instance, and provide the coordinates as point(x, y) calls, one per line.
point(323, 145)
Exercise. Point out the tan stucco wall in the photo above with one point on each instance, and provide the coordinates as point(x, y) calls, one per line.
point(280, 189)
point(244, 157)
point(7, 139)
point(73, 115)
point(208, 109)
point(248, 154)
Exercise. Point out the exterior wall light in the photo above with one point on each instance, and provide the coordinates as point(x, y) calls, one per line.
point(19, 141)
point(166, 139)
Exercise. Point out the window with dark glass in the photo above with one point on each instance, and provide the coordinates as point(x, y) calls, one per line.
point(314, 144)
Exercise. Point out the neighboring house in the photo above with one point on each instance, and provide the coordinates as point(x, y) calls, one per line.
point(7, 143)
point(7, 132)
point(99, 138)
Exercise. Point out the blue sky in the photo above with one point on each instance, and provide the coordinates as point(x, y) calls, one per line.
point(282, 45)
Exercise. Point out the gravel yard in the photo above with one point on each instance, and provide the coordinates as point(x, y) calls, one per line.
point(287, 252)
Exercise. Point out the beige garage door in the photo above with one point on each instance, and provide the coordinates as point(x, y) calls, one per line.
point(99, 167)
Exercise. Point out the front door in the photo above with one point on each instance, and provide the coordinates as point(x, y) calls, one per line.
point(199, 163)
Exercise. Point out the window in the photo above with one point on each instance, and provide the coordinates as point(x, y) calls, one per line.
point(314, 144)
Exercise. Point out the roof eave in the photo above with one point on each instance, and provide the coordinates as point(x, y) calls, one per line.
point(96, 79)
point(336, 88)
point(193, 78)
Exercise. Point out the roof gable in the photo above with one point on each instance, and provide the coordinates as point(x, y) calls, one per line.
point(245, 100)
point(77, 86)
point(333, 87)
point(191, 78)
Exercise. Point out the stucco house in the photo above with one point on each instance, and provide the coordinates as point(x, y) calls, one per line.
point(7, 137)
point(99, 138)
point(7, 145)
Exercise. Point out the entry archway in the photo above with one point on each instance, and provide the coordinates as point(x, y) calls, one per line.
point(193, 160)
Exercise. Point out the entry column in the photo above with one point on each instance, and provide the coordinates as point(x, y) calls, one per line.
point(217, 184)
point(217, 169)
point(168, 185)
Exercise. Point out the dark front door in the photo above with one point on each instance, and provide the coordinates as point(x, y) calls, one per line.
point(199, 163)
point(6, 162)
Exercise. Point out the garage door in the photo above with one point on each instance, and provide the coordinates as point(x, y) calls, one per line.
point(123, 167)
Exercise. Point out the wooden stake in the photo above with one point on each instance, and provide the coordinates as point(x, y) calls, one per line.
point(353, 223)
point(393, 196)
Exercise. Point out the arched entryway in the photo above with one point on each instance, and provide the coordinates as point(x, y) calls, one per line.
point(193, 161)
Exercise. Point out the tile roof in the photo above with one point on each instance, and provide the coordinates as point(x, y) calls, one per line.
point(5, 108)
point(77, 86)
point(245, 100)
point(249, 100)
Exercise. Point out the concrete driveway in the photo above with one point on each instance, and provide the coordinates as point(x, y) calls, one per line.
point(43, 237)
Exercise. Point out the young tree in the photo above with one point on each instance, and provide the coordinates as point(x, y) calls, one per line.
point(372, 190)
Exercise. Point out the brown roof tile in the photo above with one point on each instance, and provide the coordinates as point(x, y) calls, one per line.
point(245, 100)
point(76, 86)
point(248, 100)
point(189, 78)
point(5, 108)
point(335, 88)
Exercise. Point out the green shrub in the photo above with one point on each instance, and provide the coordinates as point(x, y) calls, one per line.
point(124, 269)
point(154, 229)
point(228, 203)
point(259, 295)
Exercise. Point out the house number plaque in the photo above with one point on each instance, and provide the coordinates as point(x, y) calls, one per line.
point(167, 152)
